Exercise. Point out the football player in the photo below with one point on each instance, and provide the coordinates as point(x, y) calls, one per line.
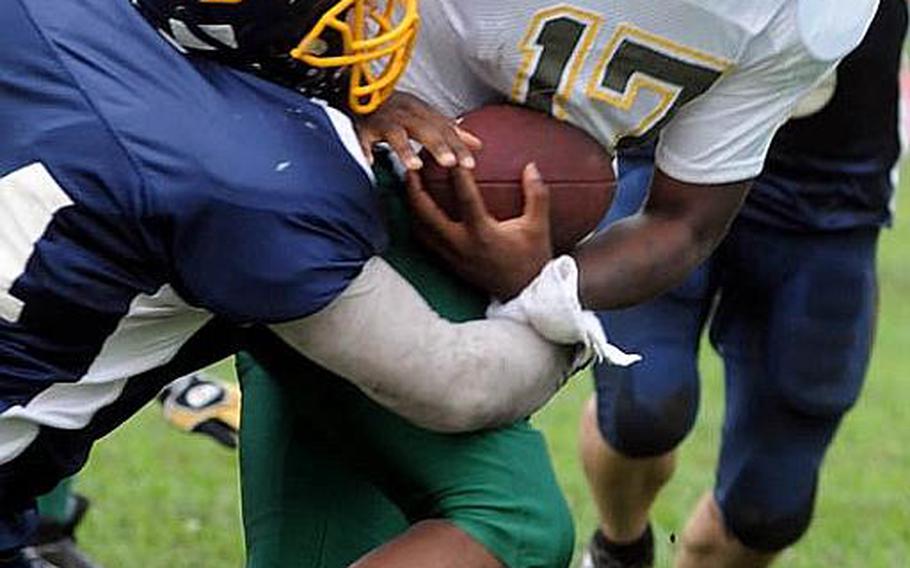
point(719, 77)
point(715, 81)
point(166, 188)
point(792, 296)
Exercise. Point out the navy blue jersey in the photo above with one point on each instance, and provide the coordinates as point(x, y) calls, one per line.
point(832, 169)
point(142, 195)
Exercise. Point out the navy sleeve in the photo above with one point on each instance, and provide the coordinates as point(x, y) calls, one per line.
point(271, 225)
point(256, 200)
point(264, 266)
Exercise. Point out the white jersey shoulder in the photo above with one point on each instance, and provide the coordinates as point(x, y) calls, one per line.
point(716, 77)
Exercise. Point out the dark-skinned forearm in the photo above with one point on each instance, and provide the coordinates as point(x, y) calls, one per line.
point(635, 260)
point(645, 255)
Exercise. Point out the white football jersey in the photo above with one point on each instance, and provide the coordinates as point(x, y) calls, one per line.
point(716, 78)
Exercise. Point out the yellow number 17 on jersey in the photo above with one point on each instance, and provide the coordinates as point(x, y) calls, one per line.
point(559, 40)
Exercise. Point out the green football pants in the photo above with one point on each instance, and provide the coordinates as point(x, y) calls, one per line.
point(58, 504)
point(327, 474)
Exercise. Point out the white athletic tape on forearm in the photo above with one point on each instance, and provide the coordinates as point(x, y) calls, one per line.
point(550, 305)
point(382, 336)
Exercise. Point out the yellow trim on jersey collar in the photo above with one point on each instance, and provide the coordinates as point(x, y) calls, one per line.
point(372, 36)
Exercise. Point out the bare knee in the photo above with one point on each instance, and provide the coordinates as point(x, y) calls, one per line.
point(708, 542)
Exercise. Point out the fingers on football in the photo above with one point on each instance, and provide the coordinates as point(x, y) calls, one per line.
point(397, 138)
point(463, 152)
point(441, 140)
point(432, 219)
point(536, 194)
point(470, 202)
point(462, 143)
point(445, 141)
point(432, 226)
point(435, 145)
point(473, 142)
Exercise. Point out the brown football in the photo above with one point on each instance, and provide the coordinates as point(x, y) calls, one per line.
point(577, 169)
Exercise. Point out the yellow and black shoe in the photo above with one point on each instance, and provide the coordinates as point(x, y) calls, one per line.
point(205, 405)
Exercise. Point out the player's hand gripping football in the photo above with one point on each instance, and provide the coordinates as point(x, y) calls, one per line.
point(403, 118)
point(204, 405)
point(501, 257)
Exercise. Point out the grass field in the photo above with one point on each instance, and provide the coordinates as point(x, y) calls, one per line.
point(167, 500)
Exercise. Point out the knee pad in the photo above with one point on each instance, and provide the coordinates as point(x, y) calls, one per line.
point(768, 473)
point(760, 525)
point(642, 414)
point(829, 382)
point(834, 323)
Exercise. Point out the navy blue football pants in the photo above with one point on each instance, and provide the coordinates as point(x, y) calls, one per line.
point(792, 316)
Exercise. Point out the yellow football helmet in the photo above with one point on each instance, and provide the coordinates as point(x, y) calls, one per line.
point(348, 52)
point(378, 41)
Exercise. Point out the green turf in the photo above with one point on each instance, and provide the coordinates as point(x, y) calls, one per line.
point(169, 500)
point(161, 498)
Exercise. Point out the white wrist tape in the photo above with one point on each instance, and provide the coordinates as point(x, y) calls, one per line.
point(551, 306)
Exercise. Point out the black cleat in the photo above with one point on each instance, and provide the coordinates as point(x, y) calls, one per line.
point(55, 543)
point(64, 553)
point(601, 553)
point(25, 558)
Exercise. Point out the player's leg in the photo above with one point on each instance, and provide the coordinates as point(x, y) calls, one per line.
point(302, 504)
point(430, 543)
point(623, 488)
point(303, 501)
point(640, 413)
point(496, 488)
point(795, 329)
point(493, 489)
point(59, 505)
point(707, 543)
point(638, 417)
point(61, 511)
